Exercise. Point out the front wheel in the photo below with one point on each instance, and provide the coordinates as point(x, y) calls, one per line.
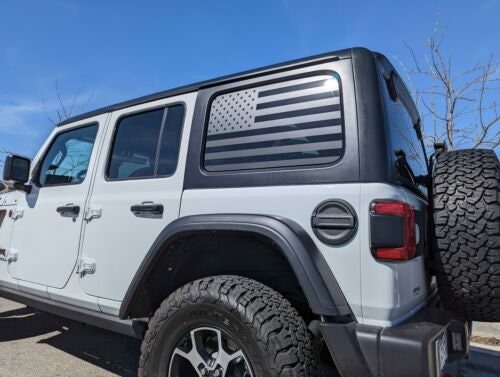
point(227, 326)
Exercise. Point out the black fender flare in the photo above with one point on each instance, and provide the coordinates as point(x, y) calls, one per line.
point(311, 269)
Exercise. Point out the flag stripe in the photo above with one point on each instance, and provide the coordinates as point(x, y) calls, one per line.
point(266, 143)
point(292, 88)
point(299, 93)
point(299, 106)
point(296, 81)
point(297, 113)
point(293, 100)
point(276, 150)
point(277, 129)
point(285, 159)
point(330, 130)
point(332, 117)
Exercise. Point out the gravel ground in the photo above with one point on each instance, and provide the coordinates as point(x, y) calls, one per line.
point(39, 344)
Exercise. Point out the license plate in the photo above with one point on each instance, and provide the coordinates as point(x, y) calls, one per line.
point(441, 352)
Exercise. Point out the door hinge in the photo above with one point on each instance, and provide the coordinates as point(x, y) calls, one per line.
point(93, 212)
point(16, 213)
point(9, 255)
point(86, 266)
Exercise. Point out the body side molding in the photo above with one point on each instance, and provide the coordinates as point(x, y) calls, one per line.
point(313, 274)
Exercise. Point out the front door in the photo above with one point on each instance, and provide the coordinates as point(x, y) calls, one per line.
point(136, 193)
point(47, 230)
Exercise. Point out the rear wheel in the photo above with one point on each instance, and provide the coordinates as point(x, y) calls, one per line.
point(227, 326)
point(466, 206)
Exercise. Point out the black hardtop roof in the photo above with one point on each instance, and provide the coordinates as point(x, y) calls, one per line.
point(340, 54)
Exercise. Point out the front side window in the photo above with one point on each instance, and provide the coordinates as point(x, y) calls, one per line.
point(146, 145)
point(67, 160)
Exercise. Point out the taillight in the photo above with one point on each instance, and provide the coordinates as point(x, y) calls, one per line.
point(393, 230)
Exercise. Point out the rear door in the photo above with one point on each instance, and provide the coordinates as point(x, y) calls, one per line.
point(47, 231)
point(137, 191)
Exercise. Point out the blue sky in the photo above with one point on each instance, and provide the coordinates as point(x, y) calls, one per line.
point(116, 50)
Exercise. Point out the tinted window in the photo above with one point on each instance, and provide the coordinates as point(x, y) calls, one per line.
point(170, 144)
point(146, 145)
point(403, 137)
point(292, 123)
point(68, 158)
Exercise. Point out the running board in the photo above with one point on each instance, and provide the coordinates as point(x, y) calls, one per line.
point(133, 328)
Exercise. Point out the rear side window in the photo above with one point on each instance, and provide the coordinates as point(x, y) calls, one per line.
point(403, 137)
point(146, 145)
point(287, 124)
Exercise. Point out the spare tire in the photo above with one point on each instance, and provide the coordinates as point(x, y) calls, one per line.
point(466, 209)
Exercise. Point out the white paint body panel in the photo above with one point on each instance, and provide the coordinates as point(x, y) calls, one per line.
point(296, 203)
point(391, 291)
point(118, 240)
point(378, 293)
point(47, 242)
point(72, 294)
point(8, 201)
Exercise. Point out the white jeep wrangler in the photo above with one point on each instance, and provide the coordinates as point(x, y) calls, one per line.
point(280, 222)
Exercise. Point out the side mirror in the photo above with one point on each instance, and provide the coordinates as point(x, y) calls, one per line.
point(17, 171)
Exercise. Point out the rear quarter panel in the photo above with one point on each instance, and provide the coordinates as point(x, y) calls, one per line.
point(296, 203)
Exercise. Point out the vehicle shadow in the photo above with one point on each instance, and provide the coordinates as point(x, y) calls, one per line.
point(115, 353)
point(480, 363)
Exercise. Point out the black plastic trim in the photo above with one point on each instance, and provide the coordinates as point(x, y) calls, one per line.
point(374, 158)
point(386, 231)
point(314, 275)
point(8, 165)
point(334, 228)
point(344, 169)
point(407, 349)
point(133, 328)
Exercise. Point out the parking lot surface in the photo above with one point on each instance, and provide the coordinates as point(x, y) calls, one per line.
point(38, 344)
point(33, 343)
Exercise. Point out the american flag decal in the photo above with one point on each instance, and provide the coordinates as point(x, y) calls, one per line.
point(291, 123)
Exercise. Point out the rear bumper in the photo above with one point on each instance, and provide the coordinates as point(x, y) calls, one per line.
point(405, 350)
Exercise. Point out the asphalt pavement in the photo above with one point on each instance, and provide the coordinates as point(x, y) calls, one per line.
point(38, 344)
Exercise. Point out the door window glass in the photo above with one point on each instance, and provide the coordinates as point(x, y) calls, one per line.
point(146, 145)
point(170, 143)
point(67, 160)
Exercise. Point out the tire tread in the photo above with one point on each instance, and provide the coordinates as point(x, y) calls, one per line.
point(466, 208)
point(281, 333)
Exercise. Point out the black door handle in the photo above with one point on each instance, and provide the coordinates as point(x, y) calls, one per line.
point(155, 209)
point(68, 210)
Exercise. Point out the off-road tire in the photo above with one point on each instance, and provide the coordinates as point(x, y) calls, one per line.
point(466, 208)
point(274, 336)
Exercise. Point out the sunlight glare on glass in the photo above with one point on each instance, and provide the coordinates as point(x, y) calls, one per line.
point(330, 84)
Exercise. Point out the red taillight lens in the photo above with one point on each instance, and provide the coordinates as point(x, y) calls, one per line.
point(408, 249)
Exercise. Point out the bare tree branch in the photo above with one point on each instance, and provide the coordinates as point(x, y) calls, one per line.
point(66, 109)
point(460, 107)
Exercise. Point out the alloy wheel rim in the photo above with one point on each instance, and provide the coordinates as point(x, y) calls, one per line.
point(208, 352)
